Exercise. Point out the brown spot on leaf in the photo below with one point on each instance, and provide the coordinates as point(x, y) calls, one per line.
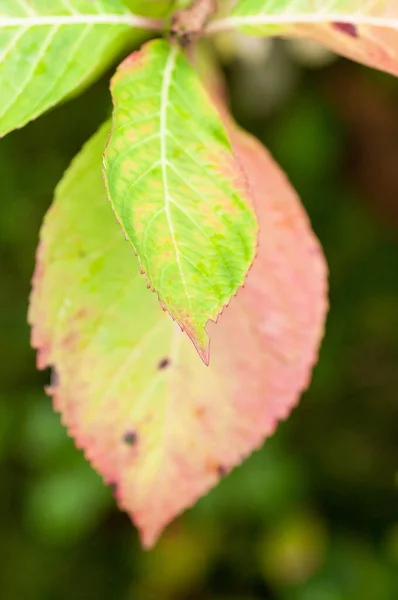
point(113, 487)
point(164, 363)
point(130, 438)
point(54, 379)
point(348, 28)
point(222, 471)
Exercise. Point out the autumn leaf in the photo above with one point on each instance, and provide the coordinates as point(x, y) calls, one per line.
point(46, 51)
point(159, 425)
point(177, 189)
point(365, 31)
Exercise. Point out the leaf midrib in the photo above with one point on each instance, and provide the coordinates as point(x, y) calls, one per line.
point(303, 18)
point(164, 102)
point(81, 19)
point(218, 25)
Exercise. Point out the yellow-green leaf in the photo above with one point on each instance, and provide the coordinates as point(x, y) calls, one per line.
point(49, 48)
point(177, 189)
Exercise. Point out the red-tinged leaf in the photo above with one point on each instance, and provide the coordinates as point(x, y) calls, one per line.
point(376, 47)
point(159, 425)
point(365, 31)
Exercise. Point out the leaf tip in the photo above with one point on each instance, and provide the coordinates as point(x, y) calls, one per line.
point(200, 340)
point(205, 355)
point(148, 538)
point(203, 351)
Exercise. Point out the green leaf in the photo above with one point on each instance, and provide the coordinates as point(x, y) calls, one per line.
point(159, 425)
point(363, 31)
point(49, 48)
point(152, 8)
point(177, 189)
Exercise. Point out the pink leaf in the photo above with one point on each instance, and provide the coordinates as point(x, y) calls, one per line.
point(363, 30)
point(160, 426)
point(376, 47)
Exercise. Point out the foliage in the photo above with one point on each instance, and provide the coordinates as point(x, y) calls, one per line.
point(169, 147)
point(187, 208)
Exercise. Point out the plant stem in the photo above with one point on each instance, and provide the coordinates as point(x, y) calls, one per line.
point(188, 24)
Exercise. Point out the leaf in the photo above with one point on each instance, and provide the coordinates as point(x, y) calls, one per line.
point(365, 31)
point(48, 49)
point(152, 8)
point(159, 425)
point(176, 188)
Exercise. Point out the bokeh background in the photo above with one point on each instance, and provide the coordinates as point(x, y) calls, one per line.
point(311, 516)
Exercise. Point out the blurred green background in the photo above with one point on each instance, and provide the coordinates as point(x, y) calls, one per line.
point(313, 515)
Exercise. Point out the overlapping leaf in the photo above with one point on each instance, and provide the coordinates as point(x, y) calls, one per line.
point(159, 425)
point(177, 189)
point(156, 8)
point(48, 48)
point(365, 31)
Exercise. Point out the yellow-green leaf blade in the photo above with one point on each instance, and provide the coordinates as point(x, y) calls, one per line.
point(363, 31)
point(177, 189)
point(49, 48)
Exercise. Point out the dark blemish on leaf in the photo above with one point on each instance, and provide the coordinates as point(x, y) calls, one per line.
point(164, 363)
point(54, 378)
point(113, 487)
point(130, 438)
point(348, 28)
point(222, 471)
